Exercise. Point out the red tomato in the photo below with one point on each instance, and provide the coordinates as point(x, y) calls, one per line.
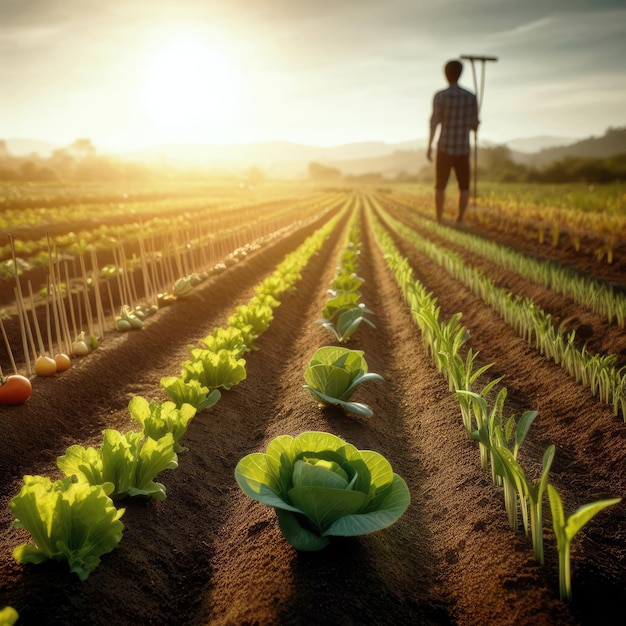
point(16, 389)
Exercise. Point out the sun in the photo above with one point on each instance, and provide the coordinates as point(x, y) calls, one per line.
point(188, 85)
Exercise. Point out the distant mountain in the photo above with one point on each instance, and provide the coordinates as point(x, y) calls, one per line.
point(611, 143)
point(275, 158)
point(282, 159)
point(541, 142)
point(390, 165)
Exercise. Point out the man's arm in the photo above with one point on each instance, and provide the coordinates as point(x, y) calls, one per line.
point(434, 122)
point(476, 121)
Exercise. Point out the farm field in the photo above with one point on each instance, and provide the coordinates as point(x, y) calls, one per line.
point(208, 554)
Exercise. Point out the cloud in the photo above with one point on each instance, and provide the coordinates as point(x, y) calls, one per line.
point(317, 69)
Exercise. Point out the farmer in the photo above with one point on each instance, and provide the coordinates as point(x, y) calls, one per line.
point(456, 109)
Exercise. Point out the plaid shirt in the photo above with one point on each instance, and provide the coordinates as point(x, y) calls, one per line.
point(456, 110)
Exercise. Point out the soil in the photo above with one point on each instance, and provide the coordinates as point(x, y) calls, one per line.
point(207, 554)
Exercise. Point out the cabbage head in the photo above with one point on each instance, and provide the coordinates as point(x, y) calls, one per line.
point(321, 486)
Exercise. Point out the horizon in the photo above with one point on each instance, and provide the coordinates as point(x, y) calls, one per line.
point(486, 141)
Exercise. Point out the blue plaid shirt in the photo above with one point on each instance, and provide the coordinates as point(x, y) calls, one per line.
point(456, 110)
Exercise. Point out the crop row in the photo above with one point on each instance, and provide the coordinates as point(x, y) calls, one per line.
point(498, 439)
point(74, 518)
point(594, 215)
point(595, 295)
point(319, 485)
point(78, 302)
point(171, 226)
point(343, 312)
point(69, 205)
point(598, 372)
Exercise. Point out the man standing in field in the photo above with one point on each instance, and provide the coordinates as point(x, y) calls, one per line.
point(456, 109)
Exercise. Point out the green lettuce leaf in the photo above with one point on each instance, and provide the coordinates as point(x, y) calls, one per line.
point(158, 418)
point(68, 520)
point(214, 369)
point(130, 462)
point(191, 392)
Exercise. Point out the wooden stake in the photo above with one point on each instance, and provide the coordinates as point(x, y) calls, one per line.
point(35, 321)
point(71, 301)
point(29, 368)
point(96, 284)
point(8, 346)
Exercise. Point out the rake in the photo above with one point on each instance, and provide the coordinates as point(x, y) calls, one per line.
point(473, 59)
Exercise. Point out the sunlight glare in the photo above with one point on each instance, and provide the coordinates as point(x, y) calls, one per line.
point(188, 84)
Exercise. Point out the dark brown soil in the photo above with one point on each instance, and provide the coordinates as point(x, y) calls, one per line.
point(209, 555)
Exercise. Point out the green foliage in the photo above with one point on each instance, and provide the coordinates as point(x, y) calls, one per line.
point(214, 369)
point(566, 529)
point(158, 419)
point(130, 462)
point(346, 322)
point(333, 374)
point(230, 338)
point(191, 392)
point(321, 486)
point(255, 314)
point(8, 616)
point(68, 520)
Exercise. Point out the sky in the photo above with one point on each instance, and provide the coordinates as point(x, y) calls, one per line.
point(133, 73)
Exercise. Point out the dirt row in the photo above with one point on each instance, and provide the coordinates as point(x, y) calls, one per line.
point(209, 555)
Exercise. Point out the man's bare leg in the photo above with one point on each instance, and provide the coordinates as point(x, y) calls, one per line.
point(463, 201)
point(440, 196)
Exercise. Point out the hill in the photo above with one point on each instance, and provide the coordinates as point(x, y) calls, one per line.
point(282, 159)
point(611, 143)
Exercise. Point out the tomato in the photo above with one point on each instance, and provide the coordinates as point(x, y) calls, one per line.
point(15, 389)
point(45, 366)
point(62, 361)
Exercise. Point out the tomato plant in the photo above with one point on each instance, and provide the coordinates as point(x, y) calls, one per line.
point(15, 389)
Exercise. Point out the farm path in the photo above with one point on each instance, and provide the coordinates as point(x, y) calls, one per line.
point(209, 555)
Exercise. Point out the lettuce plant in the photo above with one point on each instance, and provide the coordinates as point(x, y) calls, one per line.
point(321, 486)
point(158, 418)
point(190, 392)
point(131, 462)
point(345, 282)
point(255, 314)
point(214, 369)
point(230, 338)
point(8, 616)
point(333, 374)
point(68, 520)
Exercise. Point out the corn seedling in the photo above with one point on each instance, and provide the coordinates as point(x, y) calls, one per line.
point(565, 530)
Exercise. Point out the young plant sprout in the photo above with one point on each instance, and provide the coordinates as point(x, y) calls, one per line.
point(566, 529)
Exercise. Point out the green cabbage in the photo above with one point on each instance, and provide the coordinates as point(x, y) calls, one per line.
point(321, 486)
point(333, 374)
